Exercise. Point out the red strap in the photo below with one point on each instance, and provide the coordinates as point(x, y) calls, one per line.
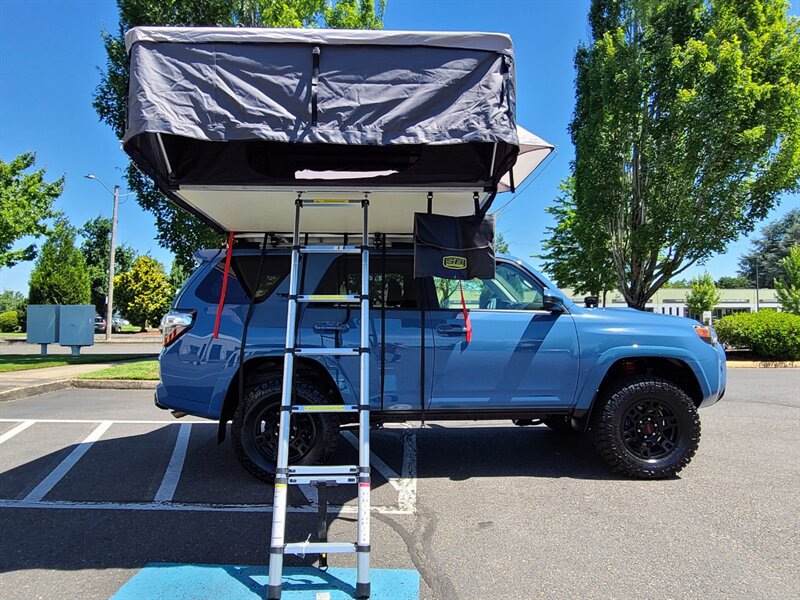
point(467, 323)
point(224, 285)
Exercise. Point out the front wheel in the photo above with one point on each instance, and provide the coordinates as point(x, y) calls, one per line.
point(313, 437)
point(646, 427)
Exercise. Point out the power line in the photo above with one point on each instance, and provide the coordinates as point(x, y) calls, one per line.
point(528, 183)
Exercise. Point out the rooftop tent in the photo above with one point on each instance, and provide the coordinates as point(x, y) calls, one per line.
point(234, 123)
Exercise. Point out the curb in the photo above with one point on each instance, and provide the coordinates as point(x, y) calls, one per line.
point(34, 390)
point(114, 384)
point(63, 384)
point(763, 364)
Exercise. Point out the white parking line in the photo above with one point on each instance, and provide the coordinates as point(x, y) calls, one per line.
point(407, 495)
point(406, 485)
point(173, 473)
point(191, 507)
point(123, 422)
point(12, 432)
point(49, 482)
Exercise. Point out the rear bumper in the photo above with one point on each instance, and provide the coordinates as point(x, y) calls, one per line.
point(156, 400)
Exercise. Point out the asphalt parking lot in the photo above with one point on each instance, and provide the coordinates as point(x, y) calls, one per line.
point(95, 484)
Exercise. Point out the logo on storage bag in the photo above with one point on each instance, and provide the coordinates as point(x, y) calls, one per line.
point(457, 263)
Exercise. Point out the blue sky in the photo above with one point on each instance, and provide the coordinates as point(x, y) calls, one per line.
point(50, 52)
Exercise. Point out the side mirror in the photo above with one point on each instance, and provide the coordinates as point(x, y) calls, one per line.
point(552, 302)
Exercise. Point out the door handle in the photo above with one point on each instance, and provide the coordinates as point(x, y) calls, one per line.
point(331, 327)
point(453, 330)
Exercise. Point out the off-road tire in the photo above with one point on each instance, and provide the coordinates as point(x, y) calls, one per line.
point(561, 425)
point(666, 415)
point(264, 392)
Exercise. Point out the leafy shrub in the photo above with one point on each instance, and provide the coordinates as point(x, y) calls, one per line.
point(770, 334)
point(9, 321)
point(10, 300)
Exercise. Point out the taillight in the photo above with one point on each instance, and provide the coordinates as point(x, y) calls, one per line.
point(175, 322)
point(706, 333)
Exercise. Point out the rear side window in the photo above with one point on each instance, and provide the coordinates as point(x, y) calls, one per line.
point(242, 277)
point(401, 289)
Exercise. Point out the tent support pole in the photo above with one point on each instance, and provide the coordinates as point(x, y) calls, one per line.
point(250, 316)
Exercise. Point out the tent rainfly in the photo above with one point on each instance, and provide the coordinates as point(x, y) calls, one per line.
point(234, 123)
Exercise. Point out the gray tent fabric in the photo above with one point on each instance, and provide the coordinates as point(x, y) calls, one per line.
point(417, 108)
point(474, 40)
point(365, 95)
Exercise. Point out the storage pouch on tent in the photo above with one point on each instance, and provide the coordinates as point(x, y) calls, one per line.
point(454, 247)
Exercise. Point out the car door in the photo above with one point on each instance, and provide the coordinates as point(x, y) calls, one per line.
point(520, 356)
point(400, 326)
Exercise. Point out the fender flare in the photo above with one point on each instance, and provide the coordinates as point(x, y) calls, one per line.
point(226, 390)
point(597, 374)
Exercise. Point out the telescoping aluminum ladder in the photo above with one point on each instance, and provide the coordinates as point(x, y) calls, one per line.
point(321, 476)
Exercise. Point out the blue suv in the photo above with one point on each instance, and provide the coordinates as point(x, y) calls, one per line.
point(633, 380)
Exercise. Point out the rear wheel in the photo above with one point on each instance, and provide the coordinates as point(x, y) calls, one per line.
point(647, 428)
point(313, 437)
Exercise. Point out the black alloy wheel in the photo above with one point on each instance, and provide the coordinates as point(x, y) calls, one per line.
point(264, 422)
point(651, 430)
point(313, 437)
point(646, 427)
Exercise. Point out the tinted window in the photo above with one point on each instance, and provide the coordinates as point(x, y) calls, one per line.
point(244, 270)
point(400, 291)
point(511, 289)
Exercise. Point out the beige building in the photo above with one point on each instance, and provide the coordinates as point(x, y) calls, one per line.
point(672, 301)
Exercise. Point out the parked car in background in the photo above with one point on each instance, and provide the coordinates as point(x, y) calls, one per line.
point(100, 325)
point(633, 380)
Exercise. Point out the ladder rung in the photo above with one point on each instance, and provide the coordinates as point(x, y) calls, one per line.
point(326, 351)
point(326, 249)
point(308, 202)
point(329, 298)
point(311, 479)
point(302, 548)
point(323, 470)
point(324, 408)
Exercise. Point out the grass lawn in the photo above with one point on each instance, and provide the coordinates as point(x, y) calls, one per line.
point(139, 369)
point(20, 362)
point(129, 329)
point(14, 334)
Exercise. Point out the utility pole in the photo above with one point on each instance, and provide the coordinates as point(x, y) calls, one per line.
point(110, 296)
point(110, 303)
point(757, 302)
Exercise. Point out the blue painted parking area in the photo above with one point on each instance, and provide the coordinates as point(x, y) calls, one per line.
point(169, 581)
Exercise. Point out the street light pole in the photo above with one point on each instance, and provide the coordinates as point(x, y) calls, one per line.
point(757, 302)
point(110, 306)
point(111, 255)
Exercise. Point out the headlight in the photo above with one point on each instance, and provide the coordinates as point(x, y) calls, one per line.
point(706, 333)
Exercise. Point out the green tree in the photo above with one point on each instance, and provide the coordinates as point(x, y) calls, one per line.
point(728, 283)
point(770, 248)
point(26, 202)
point(96, 248)
point(500, 244)
point(686, 129)
point(788, 288)
point(60, 275)
point(178, 231)
point(178, 274)
point(576, 251)
point(12, 301)
point(678, 283)
point(143, 294)
point(703, 295)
